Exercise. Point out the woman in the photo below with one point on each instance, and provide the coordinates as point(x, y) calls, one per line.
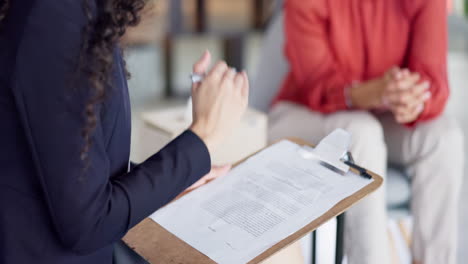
point(66, 193)
point(378, 69)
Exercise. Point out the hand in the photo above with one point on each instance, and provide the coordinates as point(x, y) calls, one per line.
point(406, 97)
point(374, 94)
point(219, 101)
point(398, 90)
point(411, 104)
point(368, 95)
point(371, 94)
point(215, 173)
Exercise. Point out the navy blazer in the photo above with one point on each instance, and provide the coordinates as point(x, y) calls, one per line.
point(51, 211)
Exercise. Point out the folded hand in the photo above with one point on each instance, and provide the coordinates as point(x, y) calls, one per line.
point(406, 95)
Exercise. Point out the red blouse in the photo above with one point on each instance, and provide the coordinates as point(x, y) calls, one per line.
point(332, 43)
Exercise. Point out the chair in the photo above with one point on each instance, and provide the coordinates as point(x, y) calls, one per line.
point(271, 71)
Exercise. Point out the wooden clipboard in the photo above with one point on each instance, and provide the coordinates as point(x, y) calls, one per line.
point(159, 246)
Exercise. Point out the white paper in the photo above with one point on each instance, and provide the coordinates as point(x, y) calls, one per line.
point(259, 203)
point(332, 148)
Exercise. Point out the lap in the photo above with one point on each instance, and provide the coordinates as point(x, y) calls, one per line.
point(404, 144)
point(293, 120)
point(407, 145)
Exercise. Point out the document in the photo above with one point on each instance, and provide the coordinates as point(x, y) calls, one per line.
point(259, 203)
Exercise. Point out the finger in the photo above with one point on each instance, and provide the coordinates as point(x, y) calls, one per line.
point(217, 172)
point(229, 75)
point(408, 81)
point(419, 95)
point(196, 185)
point(415, 96)
point(246, 86)
point(201, 66)
point(391, 86)
point(239, 80)
point(394, 98)
point(402, 118)
point(420, 88)
point(409, 115)
point(199, 183)
point(420, 100)
point(393, 73)
point(405, 72)
point(202, 180)
point(218, 71)
point(399, 74)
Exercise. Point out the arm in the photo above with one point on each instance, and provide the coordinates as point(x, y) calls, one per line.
point(316, 73)
point(427, 54)
point(87, 208)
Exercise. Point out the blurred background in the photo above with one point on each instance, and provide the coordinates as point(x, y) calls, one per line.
point(174, 33)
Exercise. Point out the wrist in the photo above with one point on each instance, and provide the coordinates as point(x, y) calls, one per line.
point(366, 95)
point(347, 95)
point(201, 131)
point(361, 97)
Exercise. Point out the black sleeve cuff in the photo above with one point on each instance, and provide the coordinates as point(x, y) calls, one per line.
point(158, 180)
point(197, 148)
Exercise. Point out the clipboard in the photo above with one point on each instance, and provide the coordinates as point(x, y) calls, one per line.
point(157, 245)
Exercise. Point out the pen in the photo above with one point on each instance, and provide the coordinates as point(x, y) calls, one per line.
point(363, 172)
point(196, 78)
point(349, 160)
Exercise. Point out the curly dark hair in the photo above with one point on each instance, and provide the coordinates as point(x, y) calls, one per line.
point(100, 36)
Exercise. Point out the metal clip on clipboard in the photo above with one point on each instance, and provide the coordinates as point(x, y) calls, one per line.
point(332, 153)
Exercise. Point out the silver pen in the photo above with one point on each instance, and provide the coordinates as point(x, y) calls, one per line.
point(196, 78)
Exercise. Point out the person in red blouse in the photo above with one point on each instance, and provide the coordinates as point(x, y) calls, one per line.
point(378, 69)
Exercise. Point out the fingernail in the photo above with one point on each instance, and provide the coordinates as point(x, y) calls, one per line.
point(420, 108)
point(427, 95)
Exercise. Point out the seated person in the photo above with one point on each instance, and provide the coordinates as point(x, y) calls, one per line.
point(378, 69)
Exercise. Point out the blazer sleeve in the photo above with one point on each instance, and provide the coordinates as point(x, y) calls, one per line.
point(318, 77)
point(89, 210)
point(427, 52)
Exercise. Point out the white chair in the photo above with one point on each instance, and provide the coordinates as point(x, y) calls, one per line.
point(271, 71)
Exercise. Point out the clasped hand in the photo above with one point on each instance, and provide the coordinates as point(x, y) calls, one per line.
point(400, 91)
point(405, 94)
